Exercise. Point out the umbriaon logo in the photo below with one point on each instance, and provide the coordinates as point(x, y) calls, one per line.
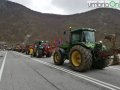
point(105, 4)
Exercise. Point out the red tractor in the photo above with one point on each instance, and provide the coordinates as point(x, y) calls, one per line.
point(20, 48)
point(56, 46)
point(27, 50)
point(23, 49)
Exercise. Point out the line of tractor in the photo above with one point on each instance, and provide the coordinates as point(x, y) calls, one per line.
point(82, 51)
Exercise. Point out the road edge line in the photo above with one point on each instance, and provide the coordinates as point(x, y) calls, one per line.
point(114, 68)
point(2, 67)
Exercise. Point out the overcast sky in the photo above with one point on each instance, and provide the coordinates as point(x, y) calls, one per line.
point(64, 7)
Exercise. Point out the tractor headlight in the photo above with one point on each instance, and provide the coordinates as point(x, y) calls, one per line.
point(100, 41)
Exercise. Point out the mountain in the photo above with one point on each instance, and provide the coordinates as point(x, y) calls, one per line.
point(17, 21)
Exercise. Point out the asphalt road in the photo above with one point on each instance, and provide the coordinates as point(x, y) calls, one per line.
point(19, 71)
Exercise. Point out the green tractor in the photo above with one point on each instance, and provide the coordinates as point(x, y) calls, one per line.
point(82, 51)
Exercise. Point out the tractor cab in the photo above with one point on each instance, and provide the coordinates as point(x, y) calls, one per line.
point(42, 44)
point(83, 35)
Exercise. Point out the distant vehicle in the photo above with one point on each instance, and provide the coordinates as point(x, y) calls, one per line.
point(20, 48)
point(16, 48)
point(23, 49)
point(9, 49)
point(39, 49)
point(13, 48)
point(27, 49)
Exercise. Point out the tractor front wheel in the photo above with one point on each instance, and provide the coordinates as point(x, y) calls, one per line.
point(58, 58)
point(101, 64)
point(80, 58)
point(39, 53)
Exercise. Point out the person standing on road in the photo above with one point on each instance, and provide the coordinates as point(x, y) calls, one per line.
point(60, 42)
point(31, 52)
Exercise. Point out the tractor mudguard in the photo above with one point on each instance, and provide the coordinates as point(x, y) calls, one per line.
point(62, 51)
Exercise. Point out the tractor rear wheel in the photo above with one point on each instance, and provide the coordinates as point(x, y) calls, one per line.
point(58, 58)
point(48, 55)
point(80, 58)
point(23, 51)
point(28, 52)
point(39, 53)
point(101, 65)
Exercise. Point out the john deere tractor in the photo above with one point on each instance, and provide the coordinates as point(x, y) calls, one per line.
point(82, 51)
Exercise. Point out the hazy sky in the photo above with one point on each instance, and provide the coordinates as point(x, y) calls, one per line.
point(56, 6)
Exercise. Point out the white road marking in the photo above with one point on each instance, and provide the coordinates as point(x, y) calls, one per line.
point(98, 82)
point(2, 67)
point(114, 68)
